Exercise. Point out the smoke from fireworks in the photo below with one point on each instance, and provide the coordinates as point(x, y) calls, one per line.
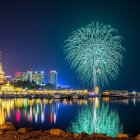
point(95, 52)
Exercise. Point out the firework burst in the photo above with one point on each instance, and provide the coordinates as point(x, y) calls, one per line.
point(95, 52)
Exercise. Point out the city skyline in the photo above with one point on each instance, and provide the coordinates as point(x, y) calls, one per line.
point(39, 77)
point(34, 36)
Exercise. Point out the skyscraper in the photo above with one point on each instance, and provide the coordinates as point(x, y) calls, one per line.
point(37, 77)
point(53, 78)
point(2, 78)
point(30, 75)
point(21, 76)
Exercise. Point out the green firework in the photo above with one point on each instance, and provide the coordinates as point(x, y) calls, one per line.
point(95, 52)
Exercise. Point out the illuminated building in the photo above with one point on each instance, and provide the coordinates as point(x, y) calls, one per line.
point(21, 76)
point(38, 77)
point(7, 88)
point(30, 75)
point(106, 93)
point(10, 89)
point(53, 78)
point(51, 92)
point(2, 78)
point(113, 92)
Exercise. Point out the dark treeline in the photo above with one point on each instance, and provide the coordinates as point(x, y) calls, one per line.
point(32, 85)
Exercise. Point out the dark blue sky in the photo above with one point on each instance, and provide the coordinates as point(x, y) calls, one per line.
point(32, 34)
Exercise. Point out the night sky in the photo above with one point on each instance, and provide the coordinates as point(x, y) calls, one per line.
point(32, 34)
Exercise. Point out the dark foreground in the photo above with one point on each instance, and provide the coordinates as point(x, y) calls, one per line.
point(9, 132)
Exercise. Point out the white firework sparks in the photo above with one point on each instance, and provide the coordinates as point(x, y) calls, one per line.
point(95, 52)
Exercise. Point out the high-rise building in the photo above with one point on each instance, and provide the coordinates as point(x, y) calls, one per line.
point(2, 78)
point(21, 76)
point(30, 75)
point(53, 75)
point(37, 77)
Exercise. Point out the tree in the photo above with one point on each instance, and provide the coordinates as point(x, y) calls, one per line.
point(49, 86)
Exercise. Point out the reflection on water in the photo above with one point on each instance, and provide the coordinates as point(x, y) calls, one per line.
point(98, 119)
point(32, 110)
point(88, 115)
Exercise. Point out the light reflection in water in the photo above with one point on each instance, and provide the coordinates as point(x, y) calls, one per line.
point(18, 115)
point(2, 116)
point(50, 113)
point(33, 110)
point(98, 119)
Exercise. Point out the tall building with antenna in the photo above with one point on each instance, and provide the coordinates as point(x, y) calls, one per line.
point(2, 78)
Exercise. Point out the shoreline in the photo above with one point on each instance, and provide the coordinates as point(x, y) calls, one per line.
point(48, 96)
point(9, 132)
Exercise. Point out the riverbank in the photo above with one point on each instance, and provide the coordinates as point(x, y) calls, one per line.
point(9, 132)
point(65, 96)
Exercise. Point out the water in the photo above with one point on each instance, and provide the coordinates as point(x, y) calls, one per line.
point(103, 115)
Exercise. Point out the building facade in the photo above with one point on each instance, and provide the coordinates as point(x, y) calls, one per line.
point(21, 76)
point(53, 78)
point(37, 77)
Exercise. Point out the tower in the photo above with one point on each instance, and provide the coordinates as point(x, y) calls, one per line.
point(53, 78)
point(1, 71)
